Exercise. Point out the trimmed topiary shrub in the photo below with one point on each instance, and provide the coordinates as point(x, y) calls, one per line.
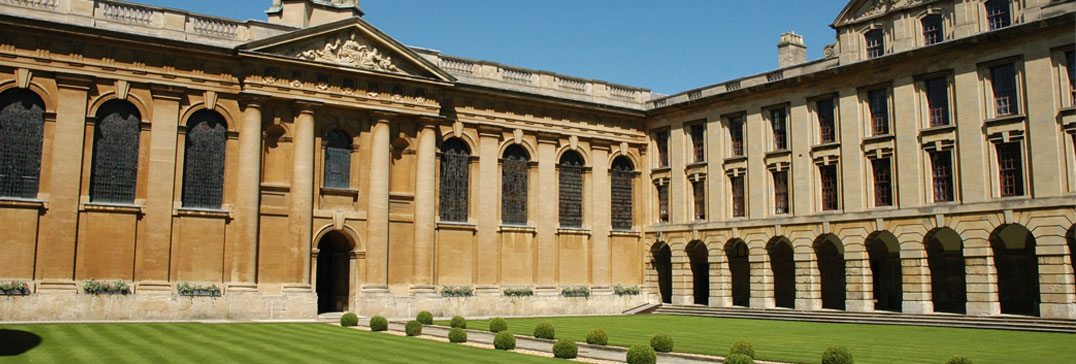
point(413, 328)
point(425, 318)
point(544, 330)
point(642, 354)
point(739, 359)
point(742, 347)
point(837, 354)
point(504, 341)
point(457, 335)
point(662, 343)
point(498, 324)
point(458, 322)
point(349, 319)
point(597, 337)
point(958, 359)
point(379, 323)
point(565, 349)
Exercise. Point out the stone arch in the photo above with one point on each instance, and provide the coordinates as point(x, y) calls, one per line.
point(634, 160)
point(471, 144)
point(883, 250)
point(661, 261)
point(508, 143)
point(42, 92)
point(829, 251)
point(738, 253)
point(699, 256)
point(229, 119)
point(334, 267)
point(1017, 268)
point(143, 108)
point(783, 267)
point(945, 259)
point(115, 151)
point(581, 151)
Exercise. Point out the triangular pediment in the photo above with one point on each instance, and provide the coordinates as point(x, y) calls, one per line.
point(350, 43)
point(858, 10)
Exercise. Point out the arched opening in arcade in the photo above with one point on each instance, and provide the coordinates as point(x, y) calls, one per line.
point(333, 272)
point(700, 272)
point(830, 254)
point(783, 265)
point(1018, 270)
point(662, 262)
point(740, 267)
point(945, 258)
point(1071, 238)
point(884, 251)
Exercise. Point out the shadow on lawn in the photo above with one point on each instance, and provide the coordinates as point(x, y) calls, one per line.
point(16, 342)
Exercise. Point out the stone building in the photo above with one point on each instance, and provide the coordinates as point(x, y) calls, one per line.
point(313, 164)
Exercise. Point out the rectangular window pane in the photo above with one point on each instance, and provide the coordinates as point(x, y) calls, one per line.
point(662, 140)
point(699, 189)
point(780, 192)
point(938, 101)
point(942, 168)
point(883, 182)
point(829, 187)
point(879, 109)
point(738, 203)
point(779, 121)
point(571, 196)
point(826, 127)
point(698, 142)
point(932, 29)
point(736, 134)
point(663, 203)
point(997, 14)
point(1003, 80)
point(875, 43)
point(1010, 170)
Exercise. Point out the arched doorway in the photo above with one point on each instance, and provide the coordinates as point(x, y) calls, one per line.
point(1018, 269)
point(830, 257)
point(700, 272)
point(740, 267)
point(333, 276)
point(662, 263)
point(884, 251)
point(783, 265)
point(945, 258)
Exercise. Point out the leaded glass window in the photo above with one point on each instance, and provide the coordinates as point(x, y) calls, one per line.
point(662, 140)
point(739, 203)
point(780, 192)
point(698, 189)
point(941, 165)
point(938, 101)
point(997, 14)
point(22, 122)
point(455, 180)
point(932, 29)
point(875, 43)
point(663, 203)
point(203, 160)
point(736, 135)
point(338, 160)
point(779, 124)
point(115, 153)
point(514, 168)
point(698, 142)
point(571, 189)
point(622, 176)
point(883, 182)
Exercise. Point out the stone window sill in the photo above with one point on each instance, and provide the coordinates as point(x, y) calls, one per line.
point(517, 229)
point(335, 191)
point(573, 231)
point(21, 203)
point(198, 212)
point(111, 207)
point(1005, 119)
point(453, 225)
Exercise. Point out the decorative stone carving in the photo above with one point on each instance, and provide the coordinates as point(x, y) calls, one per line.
point(348, 49)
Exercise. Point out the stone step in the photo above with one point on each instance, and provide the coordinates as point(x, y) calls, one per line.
point(330, 316)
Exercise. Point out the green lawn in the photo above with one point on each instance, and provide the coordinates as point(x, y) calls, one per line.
point(232, 343)
point(804, 342)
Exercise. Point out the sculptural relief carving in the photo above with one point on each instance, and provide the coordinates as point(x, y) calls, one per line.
point(349, 50)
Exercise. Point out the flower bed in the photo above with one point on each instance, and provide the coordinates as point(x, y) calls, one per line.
point(14, 288)
point(457, 291)
point(621, 290)
point(187, 289)
point(578, 291)
point(518, 291)
point(95, 287)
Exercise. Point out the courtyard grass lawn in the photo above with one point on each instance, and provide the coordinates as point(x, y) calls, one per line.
point(804, 342)
point(231, 343)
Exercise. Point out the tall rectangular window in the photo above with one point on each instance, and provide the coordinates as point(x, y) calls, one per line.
point(698, 142)
point(663, 203)
point(878, 101)
point(1003, 82)
point(883, 182)
point(997, 14)
point(826, 123)
point(1070, 66)
point(875, 43)
point(662, 139)
point(932, 29)
point(736, 135)
point(698, 188)
point(738, 202)
point(938, 101)
point(941, 165)
point(829, 187)
point(779, 123)
point(780, 192)
point(1010, 169)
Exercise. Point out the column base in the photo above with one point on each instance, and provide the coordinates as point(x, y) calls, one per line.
point(235, 287)
point(296, 288)
point(423, 290)
point(809, 304)
point(983, 308)
point(46, 287)
point(763, 303)
point(546, 291)
point(375, 288)
point(917, 307)
point(859, 305)
point(683, 300)
point(1058, 310)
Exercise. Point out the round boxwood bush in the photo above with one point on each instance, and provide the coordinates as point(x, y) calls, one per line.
point(413, 328)
point(958, 359)
point(379, 323)
point(458, 322)
point(457, 335)
point(498, 324)
point(544, 330)
point(642, 354)
point(837, 354)
point(349, 319)
point(662, 343)
point(425, 318)
point(504, 341)
point(597, 337)
point(565, 349)
point(739, 359)
point(743, 347)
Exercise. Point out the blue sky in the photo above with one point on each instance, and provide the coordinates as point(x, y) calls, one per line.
point(668, 46)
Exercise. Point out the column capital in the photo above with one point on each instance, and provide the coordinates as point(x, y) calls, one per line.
point(306, 106)
point(382, 115)
point(167, 92)
point(252, 101)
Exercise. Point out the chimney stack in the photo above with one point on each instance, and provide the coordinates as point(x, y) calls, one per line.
point(791, 50)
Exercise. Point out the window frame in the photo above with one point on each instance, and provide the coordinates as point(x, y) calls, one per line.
point(617, 174)
point(779, 141)
point(1000, 10)
point(738, 196)
point(949, 178)
point(781, 197)
point(458, 191)
point(664, 216)
point(884, 188)
point(874, 42)
point(698, 141)
point(104, 191)
point(926, 32)
point(698, 191)
point(661, 143)
point(190, 196)
point(25, 180)
point(330, 151)
point(734, 126)
point(879, 122)
point(834, 119)
point(515, 211)
point(565, 185)
point(831, 202)
point(927, 98)
point(1016, 174)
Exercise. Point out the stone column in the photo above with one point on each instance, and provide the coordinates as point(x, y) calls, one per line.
point(425, 202)
point(761, 276)
point(152, 256)
point(601, 221)
point(915, 274)
point(300, 210)
point(242, 252)
point(857, 270)
point(1057, 293)
point(377, 222)
point(982, 276)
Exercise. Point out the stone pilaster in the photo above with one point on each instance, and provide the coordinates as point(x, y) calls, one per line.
point(377, 226)
point(488, 208)
point(808, 278)
point(300, 209)
point(915, 274)
point(982, 277)
point(425, 202)
point(761, 276)
point(547, 274)
point(860, 284)
point(1057, 292)
point(601, 221)
point(152, 255)
point(242, 252)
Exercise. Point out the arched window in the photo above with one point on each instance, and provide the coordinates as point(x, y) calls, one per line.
point(514, 185)
point(571, 189)
point(337, 160)
point(22, 121)
point(115, 153)
point(622, 174)
point(455, 180)
point(203, 160)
